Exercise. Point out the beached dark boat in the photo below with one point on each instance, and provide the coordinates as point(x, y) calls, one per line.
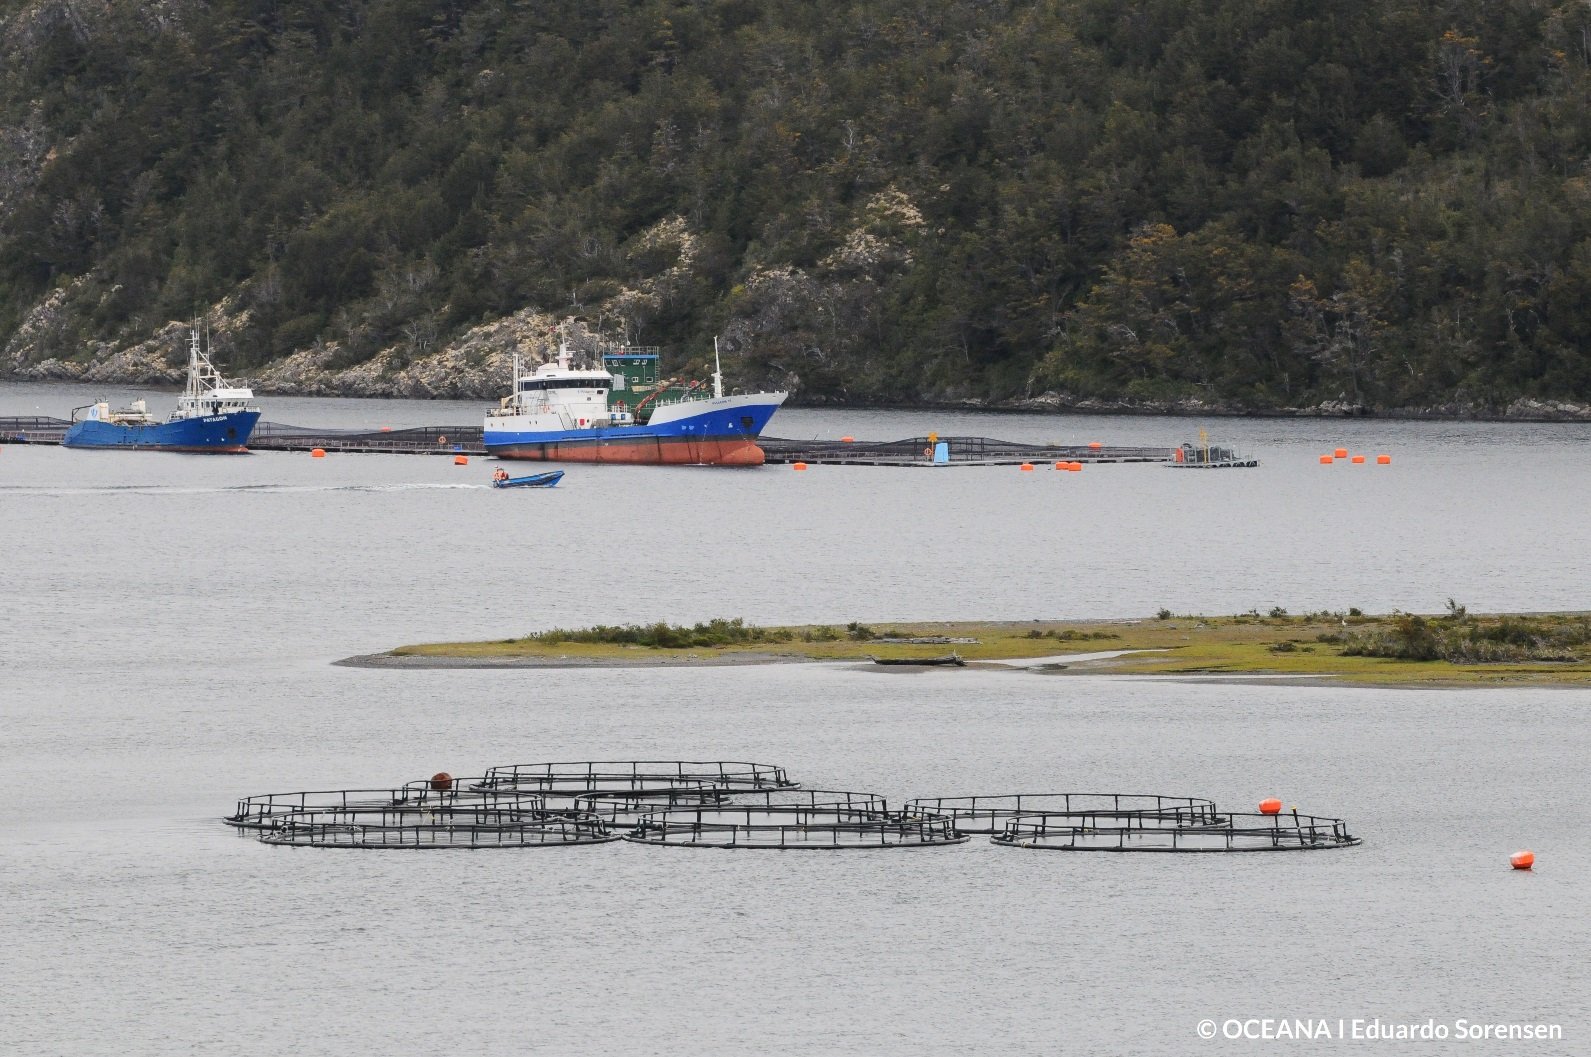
point(952, 659)
point(500, 479)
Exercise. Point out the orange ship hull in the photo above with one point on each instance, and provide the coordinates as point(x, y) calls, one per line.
point(647, 451)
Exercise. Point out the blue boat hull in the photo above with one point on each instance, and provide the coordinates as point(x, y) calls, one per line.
point(715, 437)
point(212, 433)
point(535, 480)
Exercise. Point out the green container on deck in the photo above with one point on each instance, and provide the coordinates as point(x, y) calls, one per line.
point(635, 378)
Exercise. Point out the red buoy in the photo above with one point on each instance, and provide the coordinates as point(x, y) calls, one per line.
point(1270, 806)
point(441, 781)
point(1522, 860)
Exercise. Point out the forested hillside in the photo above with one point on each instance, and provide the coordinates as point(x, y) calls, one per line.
point(1230, 203)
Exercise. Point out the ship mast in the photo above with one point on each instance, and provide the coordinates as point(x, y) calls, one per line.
point(718, 371)
point(191, 390)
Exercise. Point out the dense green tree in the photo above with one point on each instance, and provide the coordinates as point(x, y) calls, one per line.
point(1261, 203)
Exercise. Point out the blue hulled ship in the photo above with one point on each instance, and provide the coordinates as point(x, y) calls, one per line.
point(621, 410)
point(211, 416)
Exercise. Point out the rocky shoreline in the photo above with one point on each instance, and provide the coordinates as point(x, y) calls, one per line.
point(476, 367)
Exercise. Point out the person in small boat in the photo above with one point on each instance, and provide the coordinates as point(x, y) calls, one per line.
point(499, 474)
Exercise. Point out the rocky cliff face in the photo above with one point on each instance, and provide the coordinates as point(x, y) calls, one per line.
point(478, 365)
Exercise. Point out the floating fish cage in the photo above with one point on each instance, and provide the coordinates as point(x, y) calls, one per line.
point(471, 826)
point(623, 809)
point(634, 775)
point(694, 804)
point(258, 812)
point(793, 819)
point(1136, 833)
point(989, 814)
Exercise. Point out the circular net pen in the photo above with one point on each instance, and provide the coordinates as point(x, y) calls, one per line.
point(258, 812)
point(989, 814)
point(619, 776)
point(812, 819)
point(467, 827)
point(623, 809)
point(1234, 833)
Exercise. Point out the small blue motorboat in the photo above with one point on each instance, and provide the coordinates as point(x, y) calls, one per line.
point(500, 479)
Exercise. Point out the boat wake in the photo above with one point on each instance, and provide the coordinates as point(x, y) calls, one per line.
point(137, 489)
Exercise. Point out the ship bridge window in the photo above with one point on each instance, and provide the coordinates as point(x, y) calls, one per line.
point(562, 383)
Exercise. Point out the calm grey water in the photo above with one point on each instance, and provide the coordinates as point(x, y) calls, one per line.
point(170, 622)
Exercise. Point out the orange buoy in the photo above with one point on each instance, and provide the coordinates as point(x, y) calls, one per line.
point(1063, 466)
point(1096, 445)
point(1077, 467)
point(318, 453)
point(386, 429)
point(1341, 453)
point(1522, 860)
point(1383, 460)
point(1027, 467)
point(847, 440)
point(1325, 460)
point(441, 781)
point(799, 466)
point(1357, 459)
point(461, 460)
point(1270, 806)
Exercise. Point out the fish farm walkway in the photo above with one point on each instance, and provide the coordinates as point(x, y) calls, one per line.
point(466, 440)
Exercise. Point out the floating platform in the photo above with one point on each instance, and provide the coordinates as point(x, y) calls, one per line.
point(260, 812)
point(792, 820)
point(33, 430)
point(989, 814)
point(724, 804)
point(950, 451)
point(1140, 833)
point(467, 440)
point(631, 776)
point(469, 827)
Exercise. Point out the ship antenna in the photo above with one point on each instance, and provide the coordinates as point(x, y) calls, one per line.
point(718, 371)
point(192, 387)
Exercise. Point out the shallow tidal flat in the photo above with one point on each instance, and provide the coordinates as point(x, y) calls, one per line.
point(1400, 649)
